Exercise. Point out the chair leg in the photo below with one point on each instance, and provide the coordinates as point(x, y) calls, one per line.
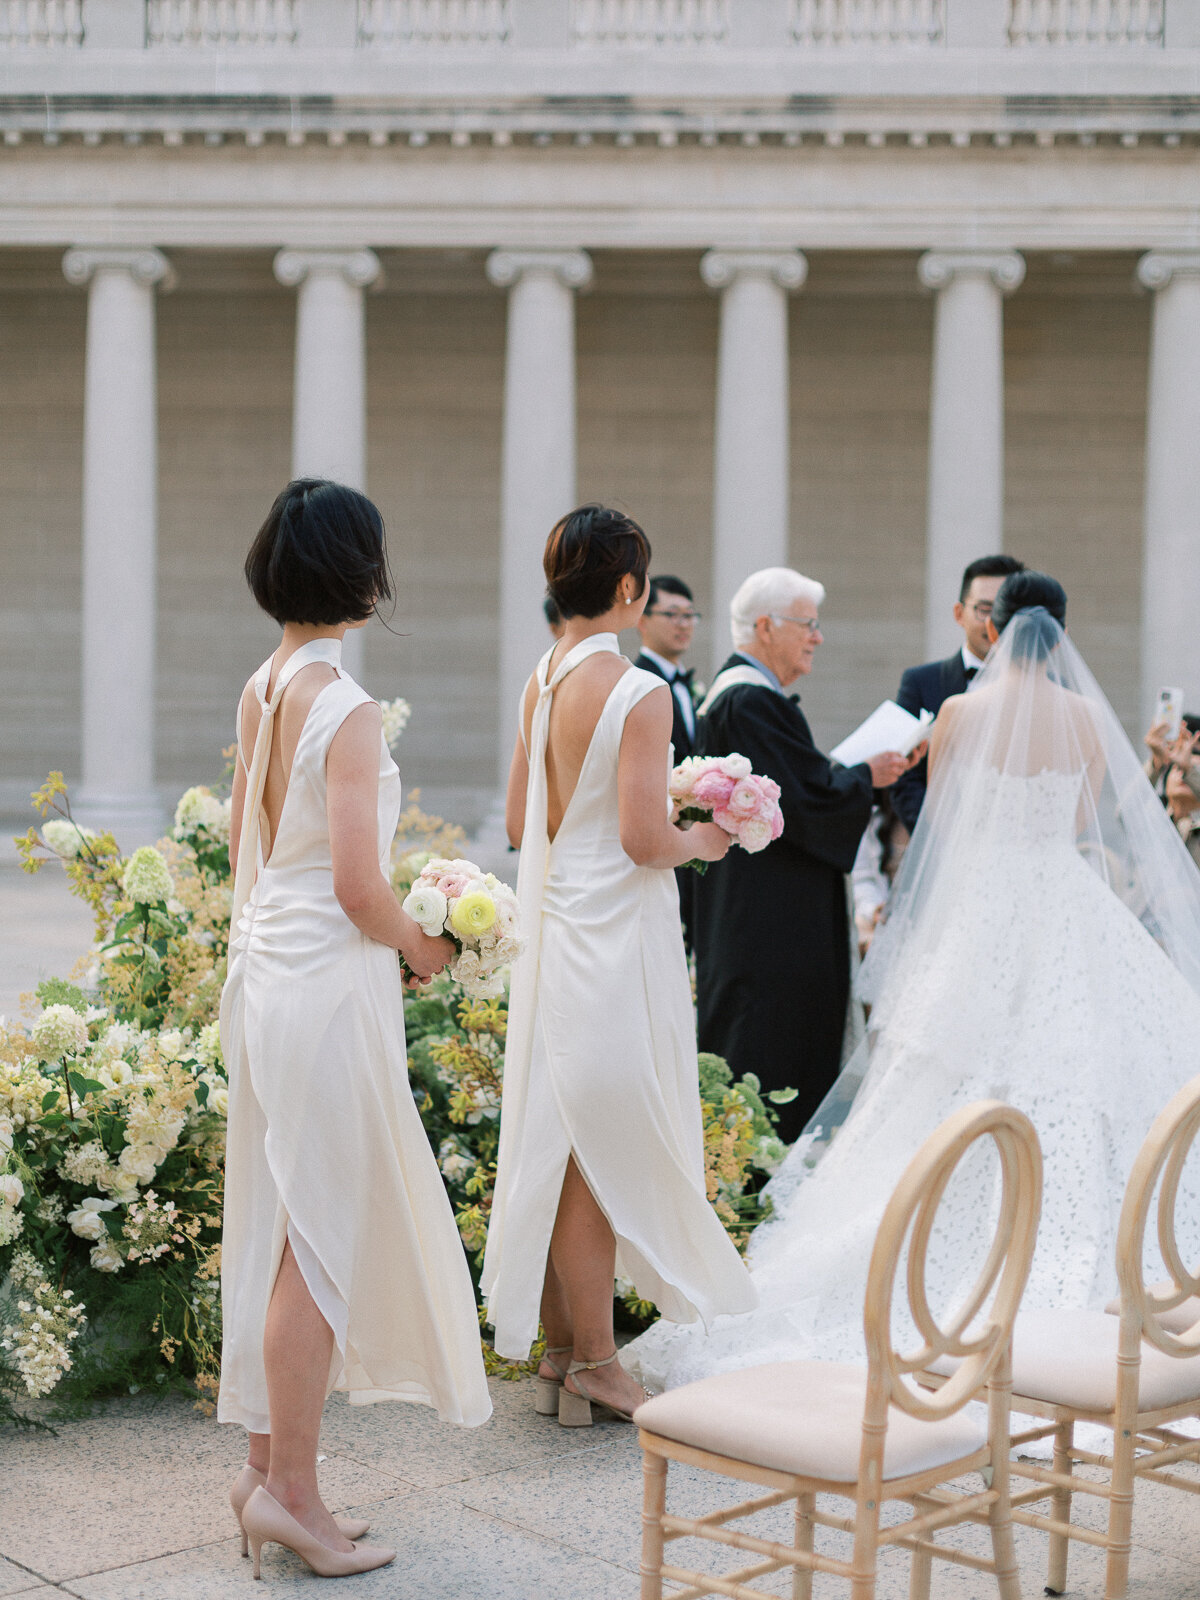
point(1004, 1550)
point(654, 1504)
point(802, 1578)
point(1120, 1515)
point(1060, 1509)
point(866, 1550)
point(921, 1572)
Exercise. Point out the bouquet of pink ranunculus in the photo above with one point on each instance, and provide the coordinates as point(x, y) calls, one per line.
point(725, 790)
point(478, 912)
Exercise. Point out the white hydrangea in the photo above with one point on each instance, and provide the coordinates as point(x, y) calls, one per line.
point(65, 838)
point(147, 878)
point(454, 1162)
point(199, 808)
point(11, 1223)
point(208, 1046)
point(6, 1136)
point(87, 1220)
point(138, 1164)
point(38, 1343)
point(59, 1031)
point(87, 1164)
point(395, 719)
point(173, 1044)
point(121, 1036)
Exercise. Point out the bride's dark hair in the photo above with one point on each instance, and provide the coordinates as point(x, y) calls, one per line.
point(1031, 591)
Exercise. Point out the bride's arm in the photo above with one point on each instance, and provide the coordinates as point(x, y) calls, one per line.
point(352, 809)
point(648, 836)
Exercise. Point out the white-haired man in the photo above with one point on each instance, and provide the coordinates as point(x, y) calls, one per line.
point(771, 930)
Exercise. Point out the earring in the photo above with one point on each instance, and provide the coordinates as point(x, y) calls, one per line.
point(628, 600)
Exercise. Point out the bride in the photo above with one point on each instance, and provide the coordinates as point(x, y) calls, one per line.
point(1044, 949)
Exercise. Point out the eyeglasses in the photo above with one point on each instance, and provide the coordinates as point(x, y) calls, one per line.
point(676, 616)
point(982, 609)
point(809, 624)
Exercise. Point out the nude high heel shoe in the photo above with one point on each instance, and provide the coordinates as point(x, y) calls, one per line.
point(547, 1390)
point(575, 1409)
point(250, 1478)
point(266, 1522)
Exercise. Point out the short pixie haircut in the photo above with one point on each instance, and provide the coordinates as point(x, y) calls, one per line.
point(587, 555)
point(768, 593)
point(321, 556)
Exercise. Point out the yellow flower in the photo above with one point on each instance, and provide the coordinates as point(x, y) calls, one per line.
point(473, 914)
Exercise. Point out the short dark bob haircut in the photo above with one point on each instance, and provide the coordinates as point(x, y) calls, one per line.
point(321, 556)
point(1032, 591)
point(989, 567)
point(587, 555)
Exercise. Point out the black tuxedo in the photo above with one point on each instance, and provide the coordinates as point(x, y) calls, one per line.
point(772, 931)
point(682, 740)
point(924, 689)
point(680, 737)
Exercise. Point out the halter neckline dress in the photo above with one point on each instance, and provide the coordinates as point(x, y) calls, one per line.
point(601, 1052)
point(325, 1147)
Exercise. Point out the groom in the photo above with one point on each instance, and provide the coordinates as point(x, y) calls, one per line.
point(925, 688)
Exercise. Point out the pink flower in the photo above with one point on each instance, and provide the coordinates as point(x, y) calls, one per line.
point(769, 788)
point(745, 799)
point(713, 788)
point(724, 818)
point(776, 823)
point(754, 835)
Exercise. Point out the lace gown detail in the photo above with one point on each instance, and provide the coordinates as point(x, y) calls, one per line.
point(325, 1146)
point(1042, 990)
point(601, 1057)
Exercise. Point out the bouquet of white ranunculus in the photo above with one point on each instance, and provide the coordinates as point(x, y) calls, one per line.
point(478, 912)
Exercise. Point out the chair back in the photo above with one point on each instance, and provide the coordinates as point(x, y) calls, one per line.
point(910, 1214)
point(1164, 1155)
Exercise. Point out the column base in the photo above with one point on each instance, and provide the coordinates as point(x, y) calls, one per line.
point(134, 819)
point(490, 848)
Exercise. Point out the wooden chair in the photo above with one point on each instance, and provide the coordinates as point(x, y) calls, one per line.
point(1135, 1375)
point(803, 1428)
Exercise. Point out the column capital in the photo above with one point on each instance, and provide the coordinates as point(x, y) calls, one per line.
point(1006, 268)
point(572, 268)
point(146, 266)
point(787, 268)
point(359, 268)
point(1158, 268)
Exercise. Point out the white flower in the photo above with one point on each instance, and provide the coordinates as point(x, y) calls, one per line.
point(120, 1072)
point(208, 1046)
point(87, 1220)
point(769, 1153)
point(106, 1257)
point(198, 808)
point(65, 838)
point(455, 1163)
point(427, 907)
point(395, 719)
point(172, 1044)
point(218, 1101)
point(120, 1036)
point(138, 1163)
point(59, 1031)
point(12, 1190)
point(754, 835)
point(6, 1135)
point(735, 766)
point(147, 878)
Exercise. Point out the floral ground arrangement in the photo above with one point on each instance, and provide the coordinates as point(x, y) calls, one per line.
point(113, 1098)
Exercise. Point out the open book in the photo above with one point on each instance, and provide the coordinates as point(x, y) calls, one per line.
point(889, 727)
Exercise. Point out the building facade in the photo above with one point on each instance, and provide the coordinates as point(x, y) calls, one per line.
point(866, 286)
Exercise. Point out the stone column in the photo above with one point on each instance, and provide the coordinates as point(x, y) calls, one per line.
point(120, 535)
point(750, 479)
point(1171, 551)
point(538, 460)
point(966, 424)
point(329, 404)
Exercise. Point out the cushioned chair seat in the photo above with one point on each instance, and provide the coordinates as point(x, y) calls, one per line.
point(1069, 1358)
point(1179, 1320)
point(803, 1417)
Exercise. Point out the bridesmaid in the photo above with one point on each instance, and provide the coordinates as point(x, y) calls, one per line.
point(341, 1263)
point(601, 1166)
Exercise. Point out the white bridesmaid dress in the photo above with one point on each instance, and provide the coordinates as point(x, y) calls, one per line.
point(325, 1145)
point(601, 1053)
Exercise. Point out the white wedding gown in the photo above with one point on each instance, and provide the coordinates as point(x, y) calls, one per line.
point(1042, 990)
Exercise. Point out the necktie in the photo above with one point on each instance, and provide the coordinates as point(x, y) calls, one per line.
point(971, 672)
point(684, 675)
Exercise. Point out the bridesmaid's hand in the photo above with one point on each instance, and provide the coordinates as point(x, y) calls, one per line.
point(427, 957)
point(708, 841)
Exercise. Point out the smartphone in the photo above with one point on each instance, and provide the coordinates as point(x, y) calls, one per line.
point(1170, 711)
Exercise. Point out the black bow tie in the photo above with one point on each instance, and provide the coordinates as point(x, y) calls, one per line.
point(684, 675)
point(971, 673)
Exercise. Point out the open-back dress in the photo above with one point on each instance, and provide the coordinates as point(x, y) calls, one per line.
point(601, 1053)
point(325, 1145)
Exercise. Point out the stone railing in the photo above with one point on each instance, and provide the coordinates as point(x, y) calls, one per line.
point(1086, 22)
point(208, 23)
point(640, 24)
point(401, 24)
point(41, 22)
point(868, 22)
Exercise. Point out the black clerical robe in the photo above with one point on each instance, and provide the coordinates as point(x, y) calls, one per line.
point(771, 930)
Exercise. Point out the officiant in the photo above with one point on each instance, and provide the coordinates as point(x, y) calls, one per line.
point(772, 930)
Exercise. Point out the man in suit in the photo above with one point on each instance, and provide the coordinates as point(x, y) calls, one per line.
point(667, 627)
point(925, 688)
point(772, 929)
